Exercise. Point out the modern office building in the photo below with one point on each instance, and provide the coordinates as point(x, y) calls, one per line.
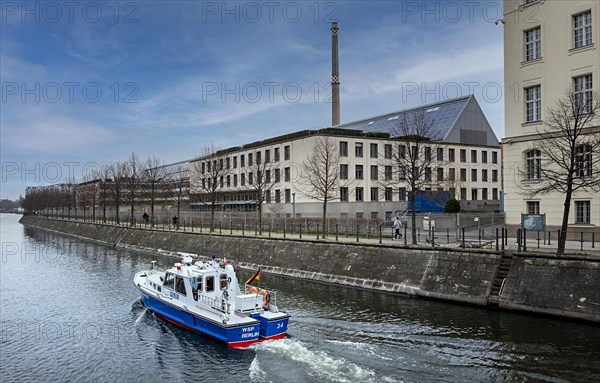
point(467, 163)
point(550, 48)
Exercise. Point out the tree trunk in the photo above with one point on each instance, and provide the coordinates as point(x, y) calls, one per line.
point(152, 208)
point(178, 212)
point(324, 220)
point(565, 223)
point(413, 217)
point(259, 211)
point(212, 217)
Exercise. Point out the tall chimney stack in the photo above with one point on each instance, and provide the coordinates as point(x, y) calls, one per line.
point(335, 76)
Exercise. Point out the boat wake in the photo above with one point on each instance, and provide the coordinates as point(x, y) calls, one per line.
point(139, 318)
point(319, 363)
point(257, 374)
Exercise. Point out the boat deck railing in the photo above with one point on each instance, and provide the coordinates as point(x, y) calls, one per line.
point(218, 304)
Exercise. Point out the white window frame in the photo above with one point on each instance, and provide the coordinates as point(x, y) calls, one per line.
point(582, 29)
point(582, 91)
point(533, 164)
point(533, 44)
point(533, 103)
point(582, 212)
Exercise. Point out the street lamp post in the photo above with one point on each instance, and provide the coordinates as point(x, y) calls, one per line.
point(293, 205)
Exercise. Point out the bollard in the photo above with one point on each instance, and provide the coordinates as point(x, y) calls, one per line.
point(433, 237)
point(357, 232)
point(192, 225)
point(549, 232)
point(581, 240)
point(479, 235)
point(255, 229)
point(418, 234)
point(336, 232)
point(220, 227)
point(593, 240)
point(463, 237)
point(448, 235)
point(405, 243)
point(497, 241)
point(380, 234)
point(519, 240)
point(269, 229)
point(524, 240)
point(244, 229)
point(538, 239)
point(300, 230)
point(284, 228)
point(317, 231)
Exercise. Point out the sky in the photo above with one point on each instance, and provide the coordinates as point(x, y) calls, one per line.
point(90, 82)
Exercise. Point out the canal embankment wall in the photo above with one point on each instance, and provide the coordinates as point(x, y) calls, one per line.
point(566, 287)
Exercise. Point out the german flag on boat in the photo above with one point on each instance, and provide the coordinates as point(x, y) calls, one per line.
point(256, 276)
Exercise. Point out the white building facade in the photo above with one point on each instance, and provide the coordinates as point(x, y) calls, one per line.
point(550, 47)
point(466, 163)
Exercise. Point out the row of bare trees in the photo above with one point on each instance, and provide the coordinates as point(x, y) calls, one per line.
point(134, 182)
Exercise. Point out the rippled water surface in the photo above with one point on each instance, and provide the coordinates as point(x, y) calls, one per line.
point(70, 312)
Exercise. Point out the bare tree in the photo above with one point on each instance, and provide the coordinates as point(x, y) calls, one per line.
point(87, 192)
point(103, 174)
point(153, 182)
point(118, 172)
point(179, 183)
point(208, 174)
point(567, 145)
point(321, 174)
point(261, 183)
point(418, 142)
point(135, 172)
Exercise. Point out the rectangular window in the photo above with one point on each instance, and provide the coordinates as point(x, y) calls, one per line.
point(402, 173)
point(344, 194)
point(440, 174)
point(210, 283)
point(277, 175)
point(440, 154)
point(343, 149)
point(533, 207)
point(277, 196)
point(234, 162)
point(228, 181)
point(276, 154)
point(533, 164)
point(374, 172)
point(374, 194)
point(451, 155)
point(583, 161)
point(533, 104)
point(388, 151)
point(582, 212)
point(286, 153)
point(388, 194)
point(473, 175)
point(402, 151)
point(287, 174)
point(428, 174)
point(484, 156)
point(258, 157)
point(533, 44)
point(463, 155)
point(288, 196)
point(359, 194)
point(267, 196)
point(495, 193)
point(582, 90)
point(359, 215)
point(374, 214)
point(484, 194)
point(235, 180)
point(494, 157)
point(250, 178)
point(358, 172)
point(452, 192)
point(268, 155)
point(343, 171)
point(474, 194)
point(242, 160)
point(388, 173)
point(463, 193)
point(249, 159)
point(463, 175)
point(358, 149)
point(228, 163)
point(452, 174)
point(243, 179)
point(484, 175)
point(373, 150)
point(474, 156)
point(582, 29)
point(428, 153)
point(402, 194)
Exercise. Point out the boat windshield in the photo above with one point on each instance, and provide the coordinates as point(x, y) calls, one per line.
point(169, 282)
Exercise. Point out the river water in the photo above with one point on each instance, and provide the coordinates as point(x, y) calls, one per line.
point(70, 313)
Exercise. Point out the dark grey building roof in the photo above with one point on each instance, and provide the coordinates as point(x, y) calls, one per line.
point(458, 120)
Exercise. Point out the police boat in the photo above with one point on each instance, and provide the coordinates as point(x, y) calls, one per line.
point(205, 297)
